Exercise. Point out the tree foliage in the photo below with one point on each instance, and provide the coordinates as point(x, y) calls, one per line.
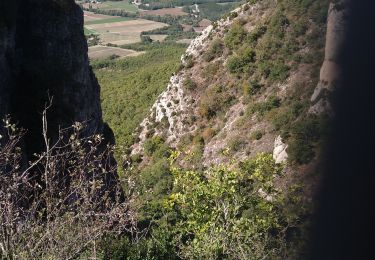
point(227, 213)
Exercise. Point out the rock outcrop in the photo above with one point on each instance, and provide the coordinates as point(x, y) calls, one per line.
point(43, 55)
point(279, 151)
point(330, 72)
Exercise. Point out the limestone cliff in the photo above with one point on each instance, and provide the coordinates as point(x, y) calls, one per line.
point(43, 54)
point(43, 57)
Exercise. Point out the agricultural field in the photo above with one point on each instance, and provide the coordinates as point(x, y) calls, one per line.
point(176, 11)
point(113, 5)
point(90, 16)
point(118, 30)
point(108, 20)
point(124, 32)
point(100, 52)
point(108, 24)
point(158, 37)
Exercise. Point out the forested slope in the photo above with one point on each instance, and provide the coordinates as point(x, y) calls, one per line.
point(250, 106)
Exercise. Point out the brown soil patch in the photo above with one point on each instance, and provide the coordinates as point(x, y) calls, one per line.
point(177, 11)
point(98, 52)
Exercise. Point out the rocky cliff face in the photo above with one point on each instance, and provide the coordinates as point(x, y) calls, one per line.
point(43, 56)
point(331, 71)
point(43, 61)
point(241, 121)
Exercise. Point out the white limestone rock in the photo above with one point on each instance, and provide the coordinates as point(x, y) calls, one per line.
point(279, 151)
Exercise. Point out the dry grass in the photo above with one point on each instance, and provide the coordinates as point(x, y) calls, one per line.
point(177, 11)
point(97, 52)
point(90, 16)
point(158, 37)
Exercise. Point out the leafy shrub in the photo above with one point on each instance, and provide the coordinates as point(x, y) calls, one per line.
point(156, 145)
point(234, 64)
point(251, 88)
point(304, 134)
point(210, 70)
point(283, 118)
point(241, 62)
point(215, 50)
point(236, 144)
point(189, 84)
point(257, 32)
point(189, 61)
point(299, 28)
point(214, 101)
point(262, 107)
point(300, 151)
point(257, 135)
point(235, 36)
point(213, 206)
point(279, 72)
point(278, 24)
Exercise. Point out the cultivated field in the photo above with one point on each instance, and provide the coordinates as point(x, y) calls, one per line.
point(98, 52)
point(177, 11)
point(122, 32)
point(90, 16)
point(113, 5)
point(113, 19)
point(158, 37)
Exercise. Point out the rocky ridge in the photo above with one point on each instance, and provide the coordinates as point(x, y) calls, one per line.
point(180, 107)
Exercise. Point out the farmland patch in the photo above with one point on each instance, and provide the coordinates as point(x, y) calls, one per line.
point(98, 52)
point(176, 11)
point(113, 5)
point(123, 32)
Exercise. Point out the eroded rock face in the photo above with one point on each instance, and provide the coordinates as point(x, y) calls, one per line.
point(43, 55)
point(330, 72)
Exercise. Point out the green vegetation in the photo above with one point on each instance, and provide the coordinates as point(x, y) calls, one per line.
point(234, 211)
point(189, 84)
point(175, 32)
point(257, 135)
point(89, 31)
point(242, 62)
point(219, 213)
point(130, 86)
point(214, 11)
point(304, 135)
point(262, 107)
point(152, 5)
point(214, 101)
point(235, 36)
point(215, 50)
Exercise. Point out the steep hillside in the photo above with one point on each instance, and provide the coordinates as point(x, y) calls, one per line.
point(257, 82)
point(246, 83)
